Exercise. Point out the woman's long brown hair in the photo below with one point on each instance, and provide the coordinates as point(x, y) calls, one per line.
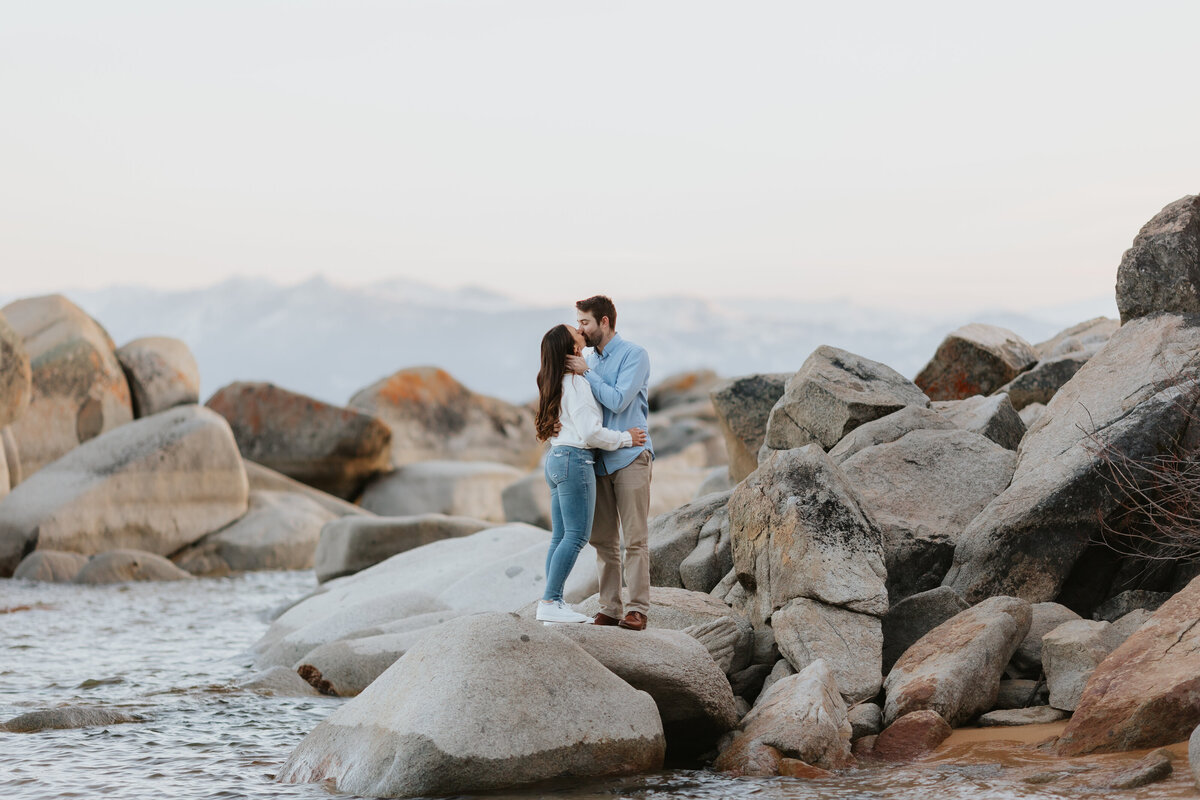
point(557, 344)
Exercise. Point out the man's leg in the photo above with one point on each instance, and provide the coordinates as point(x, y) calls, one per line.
point(606, 538)
point(631, 486)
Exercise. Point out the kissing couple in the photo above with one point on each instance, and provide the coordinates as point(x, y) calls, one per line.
point(593, 412)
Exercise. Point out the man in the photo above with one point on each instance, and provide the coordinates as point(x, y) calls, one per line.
point(619, 373)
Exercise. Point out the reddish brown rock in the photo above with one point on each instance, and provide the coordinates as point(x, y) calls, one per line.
point(975, 359)
point(911, 736)
point(334, 449)
point(795, 768)
point(433, 417)
point(1147, 692)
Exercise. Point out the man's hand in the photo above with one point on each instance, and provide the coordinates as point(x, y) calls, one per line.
point(639, 436)
point(576, 364)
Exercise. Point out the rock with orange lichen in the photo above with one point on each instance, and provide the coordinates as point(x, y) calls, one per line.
point(162, 374)
point(78, 387)
point(1147, 692)
point(334, 449)
point(975, 359)
point(433, 417)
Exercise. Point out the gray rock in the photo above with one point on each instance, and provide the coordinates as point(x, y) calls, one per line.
point(718, 480)
point(51, 719)
point(713, 557)
point(279, 531)
point(433, 417)
point(743, 407)
point(1029, 538)
point(1116, 607)
point(121, 566)
point(975, 359)
point(453, 488)
point(278, 682)
point(1161, 271)
point(16, 375)
point(781, 670)
point(268, 480)
point(161, 372)
point(955, 669)
point(922, 490)
point(1089, 335)
point(748, 682)
point(802, 716)
point(450, 717)
point(693, 695)
point(157, 484)
point(346, 667)
point(78, 390)
point(834, 392)
point(334, 449)
point(1070, 654)
point(1021, 693)
point(1129, 624)
point(51, 566)
point(725, 641)
point(850, 644)
point(1031, 413)
point(1038, 384)
point(866, 719)
point(1152, 768)
point(683, 388)
point(675, 535)
point(799, 529)
point(351, 544)
point(913, 617)
point(993, 417)
point(674, 436)
point(528, 500)
point(1046, 617)
point(1012, 717)
point(888, 429)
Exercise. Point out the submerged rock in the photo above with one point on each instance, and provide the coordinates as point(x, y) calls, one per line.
point(910, 736)
point(70, 717)
point(120, 566)
point(51, 566)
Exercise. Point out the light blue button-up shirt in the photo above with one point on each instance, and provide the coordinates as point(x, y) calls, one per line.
point(620, 378)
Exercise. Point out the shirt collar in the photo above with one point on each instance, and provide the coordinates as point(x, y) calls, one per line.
point(610, 347)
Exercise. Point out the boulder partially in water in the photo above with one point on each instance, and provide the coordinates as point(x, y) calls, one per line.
point(51, 566)
point(481, 707)
point(122, 566)
point(51, 719)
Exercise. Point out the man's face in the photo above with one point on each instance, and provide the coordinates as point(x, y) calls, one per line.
point(590, 329)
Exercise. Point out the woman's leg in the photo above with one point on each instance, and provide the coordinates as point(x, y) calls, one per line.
point(576, 503)
point(556, 472)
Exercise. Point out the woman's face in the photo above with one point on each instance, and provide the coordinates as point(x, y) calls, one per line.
point(578, 337)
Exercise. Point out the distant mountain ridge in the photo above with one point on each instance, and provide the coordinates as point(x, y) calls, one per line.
point(328, 340)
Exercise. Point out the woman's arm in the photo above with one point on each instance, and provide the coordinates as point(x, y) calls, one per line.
point(578, 402)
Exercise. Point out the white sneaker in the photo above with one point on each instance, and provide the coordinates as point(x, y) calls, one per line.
point(558, 611)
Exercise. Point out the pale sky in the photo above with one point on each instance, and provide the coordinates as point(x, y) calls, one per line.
point(921, 153)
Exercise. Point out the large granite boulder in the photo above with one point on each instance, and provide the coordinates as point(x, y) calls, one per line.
point(528, 500)
point(161, 372)
point(888, 429)
point(123, 566)
point(975, 359)
point(279, 531)
point(1147, 692)
point(922, 490)
point(1132, 398)
point(157, 484)
point(834, 392)
point(849, 643)
point(435, 418)
point(16, 375)
point(913, 617)
point(955, 669)
point(801, 716)
point(1039, 383)
point(676, 535)
point(452, 716)
point(1070, 654)
point(743, 407)
point(351, 544)
point(1161, 271)
point(1027, 660)
point(336, 450)
point(78, 387)
point(266, 479)
point(454, 488)
point(993, 417)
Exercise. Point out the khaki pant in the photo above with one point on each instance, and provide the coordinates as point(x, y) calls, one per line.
point(622, 506)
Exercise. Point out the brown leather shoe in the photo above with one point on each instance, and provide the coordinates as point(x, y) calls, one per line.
point(634, 621)
point(604, 619)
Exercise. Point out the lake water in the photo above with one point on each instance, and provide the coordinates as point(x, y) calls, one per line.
point(174, 653)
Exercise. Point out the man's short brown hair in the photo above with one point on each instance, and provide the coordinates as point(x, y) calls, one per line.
point(599, 306)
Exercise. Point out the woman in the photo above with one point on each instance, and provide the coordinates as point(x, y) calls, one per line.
point(569, 418)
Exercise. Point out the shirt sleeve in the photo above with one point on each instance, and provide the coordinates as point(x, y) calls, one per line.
point(616, 397)
point(585, 414)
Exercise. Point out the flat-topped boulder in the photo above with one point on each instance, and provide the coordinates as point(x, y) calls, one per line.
point(1161, 270)
point(16, 376)
point(975, 359)
point(351, 544)
point(334, 449)
point(433, 417)
point(78, 387)
point(889, 429)
point(452, 715)
point(454, 488)
point(162, 373)
point(157, 484)
point(833, 393)
point(743, 407)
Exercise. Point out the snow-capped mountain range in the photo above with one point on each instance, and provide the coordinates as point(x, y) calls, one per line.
point(328, 340)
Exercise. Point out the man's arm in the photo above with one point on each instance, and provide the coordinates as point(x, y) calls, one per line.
point(632, 374)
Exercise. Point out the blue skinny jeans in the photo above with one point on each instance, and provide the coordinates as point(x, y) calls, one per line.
point(571, 475)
